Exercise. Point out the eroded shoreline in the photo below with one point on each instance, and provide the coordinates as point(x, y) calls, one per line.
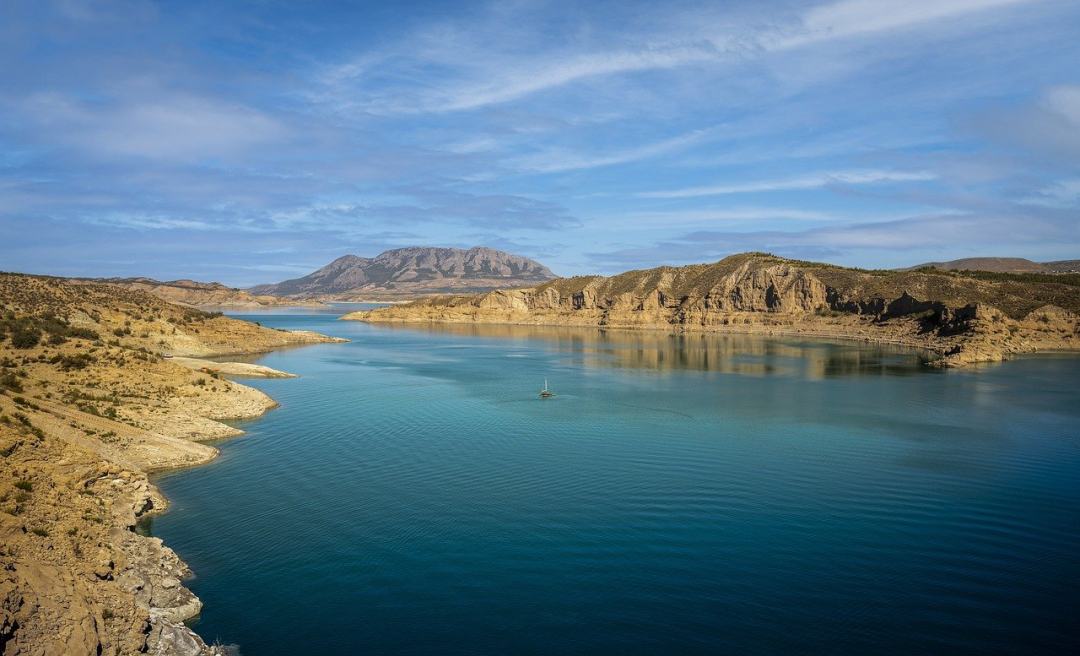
point(89, 409)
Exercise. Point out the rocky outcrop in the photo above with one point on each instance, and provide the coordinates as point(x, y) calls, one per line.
point(412, 272)
point(961, 319)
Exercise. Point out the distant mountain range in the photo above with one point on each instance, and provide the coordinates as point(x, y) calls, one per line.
point(197, 294)
point(1005, 265)
point(411, 272)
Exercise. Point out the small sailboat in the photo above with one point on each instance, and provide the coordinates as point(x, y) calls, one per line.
point(546, 393)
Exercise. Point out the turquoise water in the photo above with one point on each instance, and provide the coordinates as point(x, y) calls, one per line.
point(693, 495)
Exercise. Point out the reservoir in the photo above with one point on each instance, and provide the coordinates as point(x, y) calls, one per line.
point(693, 494)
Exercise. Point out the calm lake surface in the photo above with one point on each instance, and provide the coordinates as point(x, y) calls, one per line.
point(693, 495)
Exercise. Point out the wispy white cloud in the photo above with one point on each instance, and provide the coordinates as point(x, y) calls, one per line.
point(855, 18)
point(1048, 128)
point(140, 221)
point(1064, 193)
point(1064, 101)
point(536, 76)
point(477, 67)
point(705, 216)
point(170, 128)
point(813, 181)
point(553, 161)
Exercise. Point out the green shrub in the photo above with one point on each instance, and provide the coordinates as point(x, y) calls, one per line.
point(73, 362)
point(25, 337)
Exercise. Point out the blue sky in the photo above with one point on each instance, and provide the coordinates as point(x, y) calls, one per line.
point(252, 142)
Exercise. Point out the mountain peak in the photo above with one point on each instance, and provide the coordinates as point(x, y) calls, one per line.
point(414, 271)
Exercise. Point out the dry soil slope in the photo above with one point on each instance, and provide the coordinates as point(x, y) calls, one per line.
point(197, 294)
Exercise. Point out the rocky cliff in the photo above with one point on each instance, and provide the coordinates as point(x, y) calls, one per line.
point(89, 404)
point(960, 318)
point(412, 272)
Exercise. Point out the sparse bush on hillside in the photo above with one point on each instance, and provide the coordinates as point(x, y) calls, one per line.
point(25, 337)
point(9, 381)
point(26, 332)
point(73, 362)
point(82, 333)
point(1070, 279)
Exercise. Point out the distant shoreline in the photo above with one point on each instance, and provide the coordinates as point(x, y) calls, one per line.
point(963, 319)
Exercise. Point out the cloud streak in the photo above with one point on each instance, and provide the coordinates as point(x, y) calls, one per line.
point(556, 161)
point(813, 181)
point(856, 18)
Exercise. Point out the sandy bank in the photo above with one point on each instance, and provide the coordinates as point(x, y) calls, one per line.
point(243, 369)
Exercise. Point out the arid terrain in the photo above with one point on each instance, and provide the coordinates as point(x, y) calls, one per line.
point(92, 399)
point(409, 273)
point(960, 318)
point(200, 294)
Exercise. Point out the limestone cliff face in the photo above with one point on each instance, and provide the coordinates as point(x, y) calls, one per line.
point(940, 311)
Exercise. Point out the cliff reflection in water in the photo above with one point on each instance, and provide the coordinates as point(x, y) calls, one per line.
point(733, 353)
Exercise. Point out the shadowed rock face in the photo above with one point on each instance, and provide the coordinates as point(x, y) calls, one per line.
point(414, 271)
point(964, 317)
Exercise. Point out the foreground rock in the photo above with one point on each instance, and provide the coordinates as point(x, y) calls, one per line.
point(88, 407)
point(960, 318)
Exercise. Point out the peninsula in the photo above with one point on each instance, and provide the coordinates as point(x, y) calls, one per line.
point(92, 400)
point(959, 317)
